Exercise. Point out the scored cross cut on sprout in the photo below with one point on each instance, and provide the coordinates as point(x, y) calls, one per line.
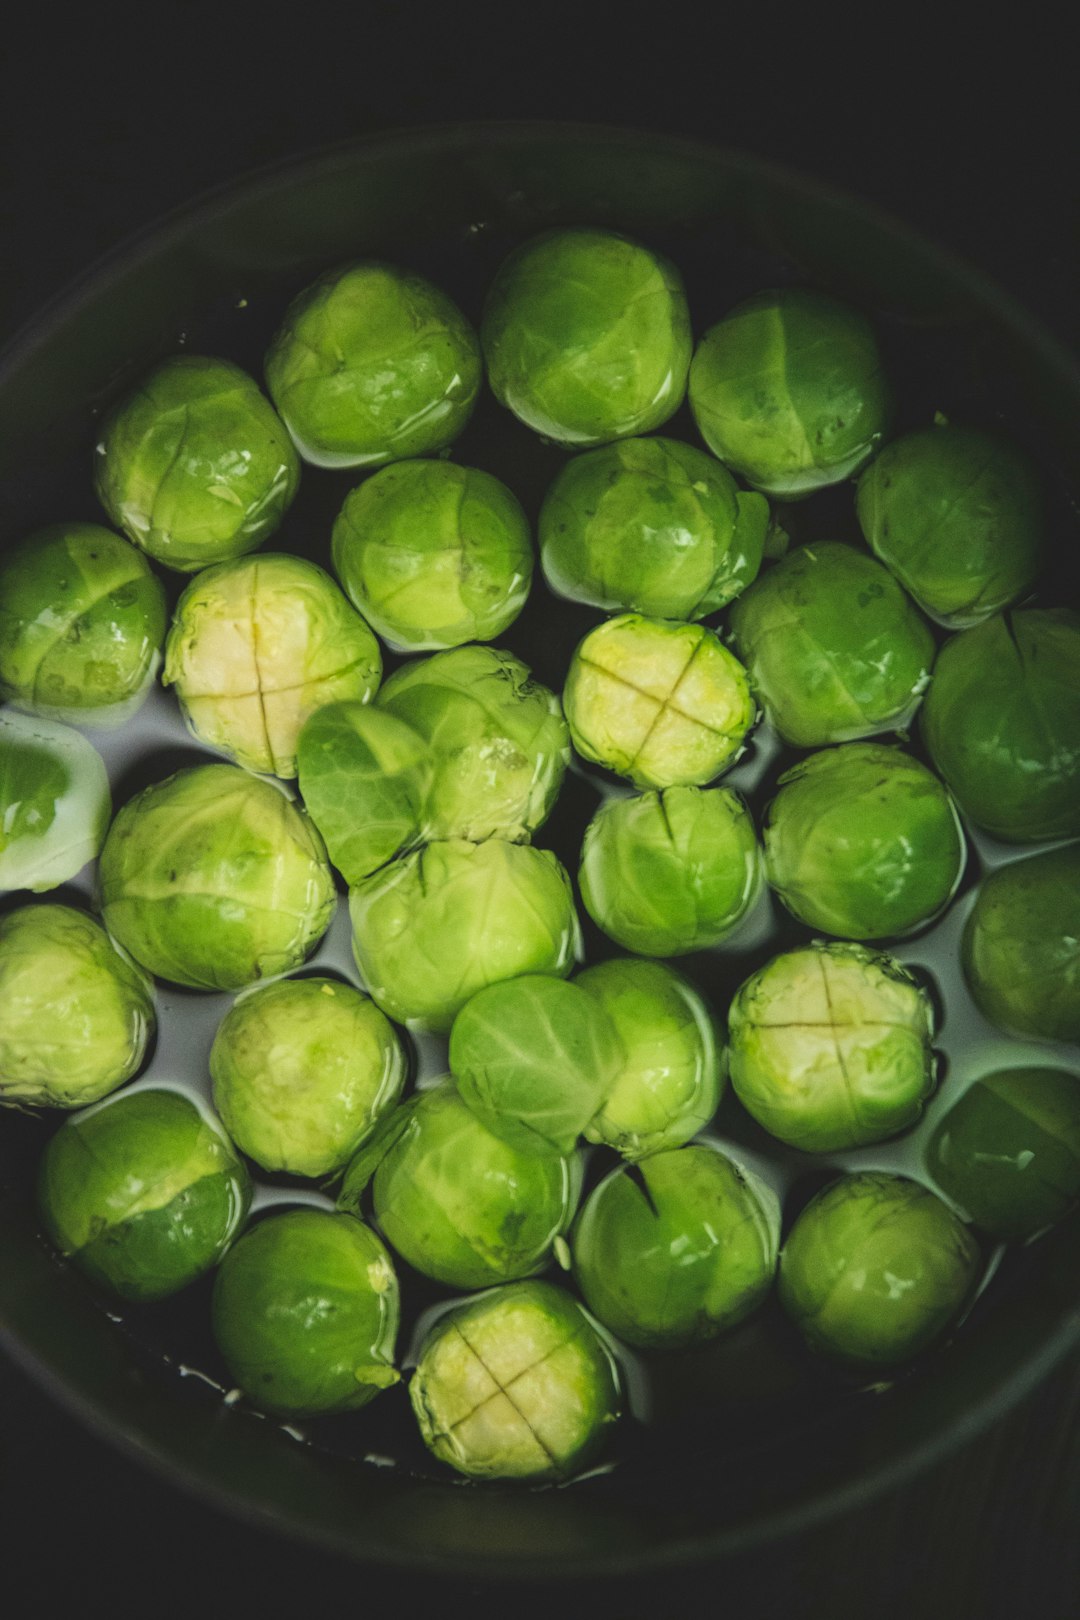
point(659, 702)
point(830, 1047)
point(515, 1384)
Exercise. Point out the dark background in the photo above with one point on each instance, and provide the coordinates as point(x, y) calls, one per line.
point(110, 118)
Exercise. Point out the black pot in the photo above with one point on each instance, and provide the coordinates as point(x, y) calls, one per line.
point(449, 200)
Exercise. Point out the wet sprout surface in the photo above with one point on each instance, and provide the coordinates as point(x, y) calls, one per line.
point(78, 1015)
point(213, 879)
point(515, 1385)
point(1001, 722)
point(680, 1251)
point(663, 704)
point(82, 622)
point(668, 873)
point(372, 364)
point(144, 1196)
point(875, 1267)
point(957, 516)
point(194, 466)
point(863, 842)
point(302, 1071)
point(55, 803)
point(789, 390)
point(831, 1047)
point(434, 554)
point(258, 645)
point(460, 1204)
point(652, 525)
point(577, 944)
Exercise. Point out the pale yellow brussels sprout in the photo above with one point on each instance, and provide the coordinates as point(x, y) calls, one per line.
point(259, 644)
point(662, 703)
point(515, 1384)
point(830, 1047)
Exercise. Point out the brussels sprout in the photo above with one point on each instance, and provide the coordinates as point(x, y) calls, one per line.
point(830, 1047)
point(834, 649)
point(303, 1070)
point(432, 929)
point(863, 841)
point(957, 516)
point(661, 703)
point(434, 554)
point(373, 364)
point(788, 389)
point(535, 1059)
point(144, 1193)
point(498, 741)
point(365, 777)
point(259, 644)
point(671, 872)
point(587, 336)
point(1002, 723)
point(652, 525)
point(54, 802)
point(515, 1385)
point(1021, 946)
point(75, 1015)
point(194, 466)
point(1008, 1153)
point(213, 879)
point(305, 1313)
point(668, 1085)
point(677, 1248)
point(82, 619)
point(875, 1268)
point(459, 1204)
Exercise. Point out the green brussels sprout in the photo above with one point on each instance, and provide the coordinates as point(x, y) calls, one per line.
point(144, 1193)
point(834, 649)
point(672, 872)
point(515, 1384)
point(863, 841)
point(434, 554)
point(661, 703)
point(651, 525)
point(1021, 946)
point(194, 466)
point(830, 1047)
point(1008, 1153)
point(587, 336)
point(498, 741)
point(433, 928)
point(82, 619)
point(957, 516)
point(213, 879)
point(668, 1085)
point(256, 646)
point(54, 802)
point(459, 1204)
point(673, 1250)
point(305, 1313)
point(303, 1070)
point(365, 777)
point(789, 391)
point(875, 1269)
point(75, 1016)
point(373, 364)
point(1002, 723)
point(535, 1059)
